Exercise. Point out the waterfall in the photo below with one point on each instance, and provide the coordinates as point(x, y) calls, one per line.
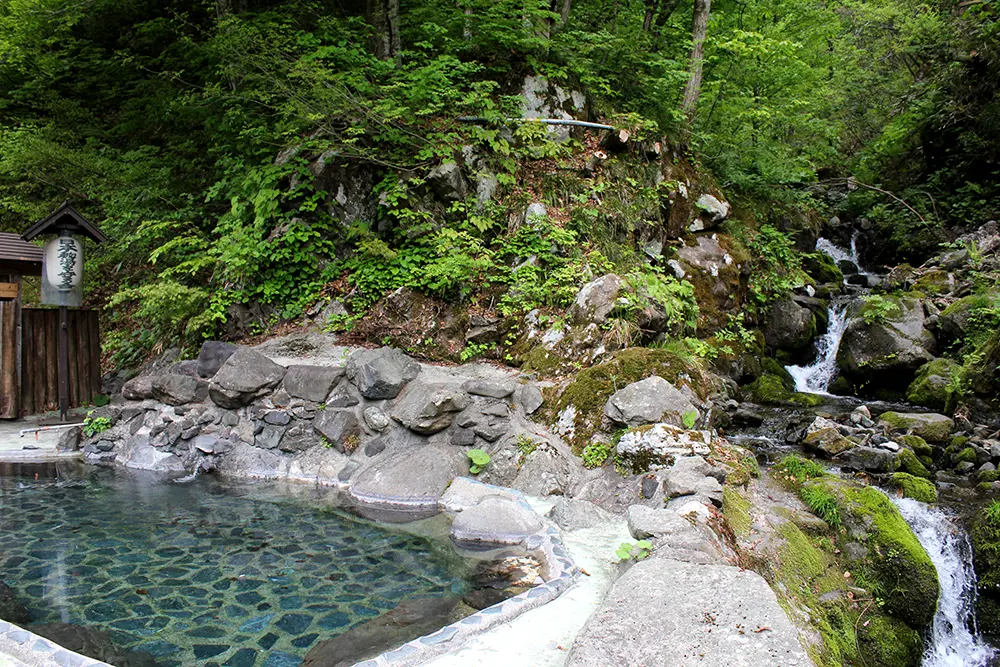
point(839, 254)
point(952, 642)
point(815, 378)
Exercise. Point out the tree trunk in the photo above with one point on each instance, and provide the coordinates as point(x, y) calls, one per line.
point(566, 6)
point(384, 17)
point(699, 26)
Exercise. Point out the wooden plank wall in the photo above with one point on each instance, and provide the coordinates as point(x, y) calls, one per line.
point(40, 359)
point(9, 384)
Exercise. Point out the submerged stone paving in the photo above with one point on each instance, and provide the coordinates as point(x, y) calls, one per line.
point(199, 574)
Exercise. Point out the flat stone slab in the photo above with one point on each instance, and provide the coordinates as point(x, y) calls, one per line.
point(496, 520)
point(666, 612)
point(413, 477)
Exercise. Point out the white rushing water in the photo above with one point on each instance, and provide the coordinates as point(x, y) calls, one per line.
point(815, 378)
point(839, 254)
point(953, 641)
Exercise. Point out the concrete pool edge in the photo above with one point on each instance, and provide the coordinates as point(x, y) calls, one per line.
point(23, 647)
point(546, 542)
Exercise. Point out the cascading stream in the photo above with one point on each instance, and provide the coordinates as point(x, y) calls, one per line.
point(815, 378)
point(953, 641)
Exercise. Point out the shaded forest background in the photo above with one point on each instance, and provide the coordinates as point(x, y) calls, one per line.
point(186, 128)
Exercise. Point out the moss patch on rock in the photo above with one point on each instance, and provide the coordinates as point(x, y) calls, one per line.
point(929, 426)
point(914, 487)
point(771, 390)
point(592, 387)
point(917, 444)
point(986, 558)
point(907, 462)
point(895, 566)
point(736, 509)
point(934, 385)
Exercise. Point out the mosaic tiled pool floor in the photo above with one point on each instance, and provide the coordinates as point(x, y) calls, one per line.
point(207, 574)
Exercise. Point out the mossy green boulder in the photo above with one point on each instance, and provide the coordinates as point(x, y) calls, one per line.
point(894, 563)
point(907, 462)
point(822, 268)
point(771, 390)
point(930, 426)
point(986, 558)
point(914, 487)
point(917, 444)
point(934, 385)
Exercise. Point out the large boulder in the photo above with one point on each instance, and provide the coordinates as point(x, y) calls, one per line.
point(823, 436)
point(930, 426)
point(789, 326)
point(427, 408)
point(877, 537)
point(312, 383)
point(412, 477)
point(934, 387)
point(213, 355)
point(668, 612)
point(174, 389)
point(660, 444)
point(595, 300)
point(650, 401)
point(886, 355)
point(245, 375)
point(448, 182)
point(382, 373)
point(139, 454)
point(495, 520)
point(138, 389)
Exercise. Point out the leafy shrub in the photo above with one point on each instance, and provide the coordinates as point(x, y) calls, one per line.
point(877, 309)
point(596, 454)
point(94, 425)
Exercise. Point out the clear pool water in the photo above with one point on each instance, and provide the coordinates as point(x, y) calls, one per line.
point(207, 573)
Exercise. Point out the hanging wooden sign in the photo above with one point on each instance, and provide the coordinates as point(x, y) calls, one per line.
point(8, 290)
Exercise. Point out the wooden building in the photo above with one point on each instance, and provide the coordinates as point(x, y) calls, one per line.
point(28, 341)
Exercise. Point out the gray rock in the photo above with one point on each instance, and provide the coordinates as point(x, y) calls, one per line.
point(298, 438)
point(427, 408)
point(789, 326)
point(490, 388)
point(688, 476)
point(595, 300)
point(205, 443)
point(344, 396)
point(869, 459)
point(548, 472)
point(408, 477)
point(243, 377)
point(382, 373)
point(213, 355)
point(188, 367)
point(675, 534)
point(886, 355)
point(463, 437)
point(930, 426)
point(572, 514)
point(138, 389)
point(138, 454)
point(531, 398)
point(649, 401)
point(649, 486)
point(269, 437)
point(375, 419)
point(495, 520)
point(277, 418)
point(69, 441)
point(715, 209)
point(666, 612)
point(448, 182)
point(536, 211)
point(337, 426)
point(312, 383)
point(375, 447)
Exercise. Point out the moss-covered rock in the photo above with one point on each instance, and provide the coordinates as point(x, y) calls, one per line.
point(929, 426)
point(932, 283)
point(917, 444)
point(736, 509)
point(967, 455)
point(934, 386)
point(914, 487)
point(771, 390)
point(907, 462)
point(822, 268)
point(895, 565)
point(954, 320)
point(985, 536)
point(592, 387)
point(888, 642)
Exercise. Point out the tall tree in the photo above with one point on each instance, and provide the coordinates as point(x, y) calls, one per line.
point(699, 26)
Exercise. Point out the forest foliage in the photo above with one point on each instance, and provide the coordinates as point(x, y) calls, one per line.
point(186, 127)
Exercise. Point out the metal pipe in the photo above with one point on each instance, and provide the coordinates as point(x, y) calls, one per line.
point(46, 428)
point(547, 121)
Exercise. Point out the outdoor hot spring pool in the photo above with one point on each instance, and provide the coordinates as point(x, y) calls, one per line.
point(208, 572)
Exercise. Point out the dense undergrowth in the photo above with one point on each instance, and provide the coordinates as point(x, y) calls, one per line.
point(193, 131)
